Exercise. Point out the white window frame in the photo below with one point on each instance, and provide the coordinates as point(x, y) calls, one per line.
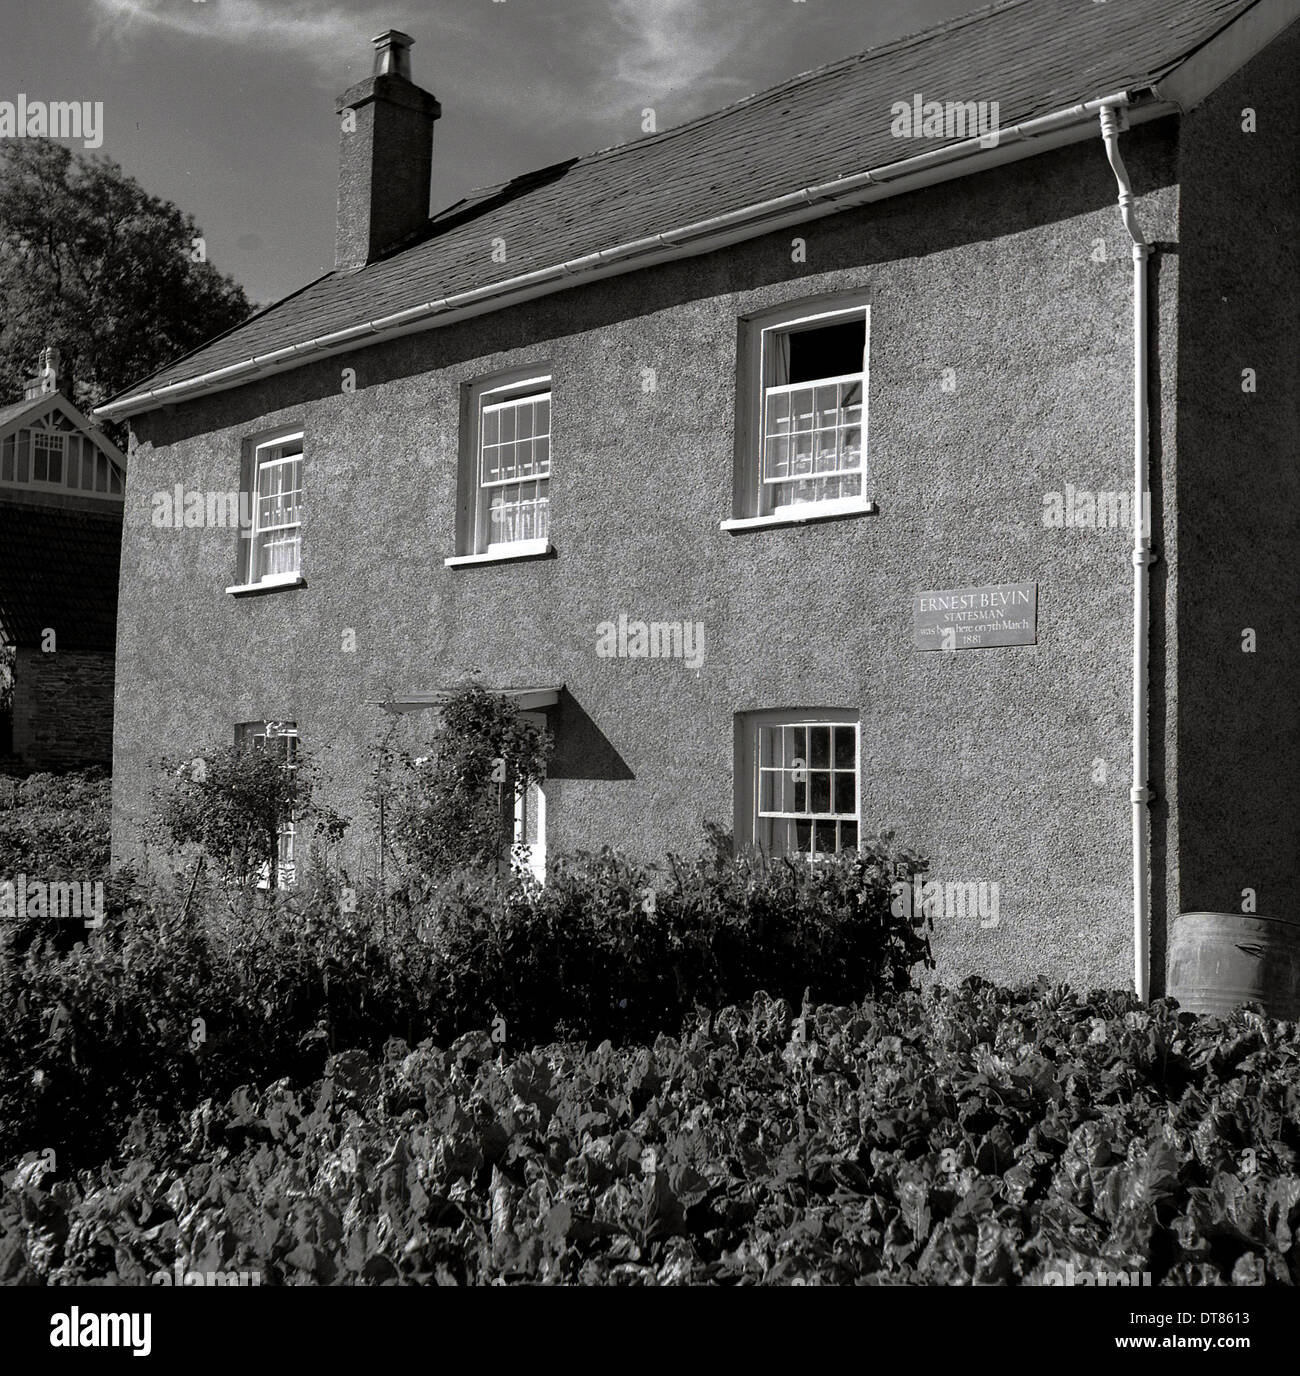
point(752, 504)
point(257, 530)
point(76, 448)
point(752, 826)
point(474, 543)
point(51, 441)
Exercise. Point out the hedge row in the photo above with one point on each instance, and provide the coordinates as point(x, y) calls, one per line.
point(55, 826)
point(175, 999)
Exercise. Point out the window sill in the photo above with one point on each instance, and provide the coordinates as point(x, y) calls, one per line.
point(523, 549)
point(271, 583)
point(825, 511)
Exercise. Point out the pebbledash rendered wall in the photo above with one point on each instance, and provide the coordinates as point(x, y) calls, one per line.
point(1004, 765)
point(1235, 714)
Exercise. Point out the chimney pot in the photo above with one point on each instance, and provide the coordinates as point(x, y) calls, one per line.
point(49, 370)
point(393, 53)
point(47, 377)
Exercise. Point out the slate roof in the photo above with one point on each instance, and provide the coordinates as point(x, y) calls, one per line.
point(58, 568)
point(1033, 56)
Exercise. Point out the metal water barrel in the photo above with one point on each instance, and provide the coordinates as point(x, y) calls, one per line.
point(1220, 960)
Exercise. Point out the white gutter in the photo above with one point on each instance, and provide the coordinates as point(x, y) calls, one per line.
point(703, 236)
point(1139, 792)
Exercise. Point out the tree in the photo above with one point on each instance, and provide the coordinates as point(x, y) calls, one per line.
point(232, 802)
point(115, 278)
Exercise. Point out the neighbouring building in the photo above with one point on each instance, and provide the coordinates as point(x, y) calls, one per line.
point(788, 463)
point(61, 493)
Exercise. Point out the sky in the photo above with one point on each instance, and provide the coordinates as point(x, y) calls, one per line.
point(227, 107)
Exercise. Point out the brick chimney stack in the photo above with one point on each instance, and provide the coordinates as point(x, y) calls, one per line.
point(385, 156)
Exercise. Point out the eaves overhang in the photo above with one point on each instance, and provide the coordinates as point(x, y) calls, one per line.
point(964, 158)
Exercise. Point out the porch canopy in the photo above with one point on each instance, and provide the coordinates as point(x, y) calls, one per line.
point(525, 699)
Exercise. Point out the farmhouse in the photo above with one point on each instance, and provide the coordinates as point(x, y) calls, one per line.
point(779, 374)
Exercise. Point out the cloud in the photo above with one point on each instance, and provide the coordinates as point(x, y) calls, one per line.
point(328, 36)
point(581, 63)
point(663, 45)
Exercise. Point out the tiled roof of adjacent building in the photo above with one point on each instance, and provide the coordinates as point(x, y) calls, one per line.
point(1034, 57)
point(20, 408)
point(58, 569)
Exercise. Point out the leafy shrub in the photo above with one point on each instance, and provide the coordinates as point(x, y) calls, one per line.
point(54, 829)
point(231, 803)
point(452, 807)
point(976, 1136)
point(90, 1036)
point(611, 949)
point(7, 659)
point(55, 825)
point(169, 1002)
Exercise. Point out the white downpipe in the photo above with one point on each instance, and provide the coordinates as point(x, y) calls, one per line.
point(1139, 792)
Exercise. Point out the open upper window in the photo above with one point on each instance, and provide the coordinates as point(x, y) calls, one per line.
point(275, 544)
point(506, 469)
point(803, 432)
point(797, 781)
